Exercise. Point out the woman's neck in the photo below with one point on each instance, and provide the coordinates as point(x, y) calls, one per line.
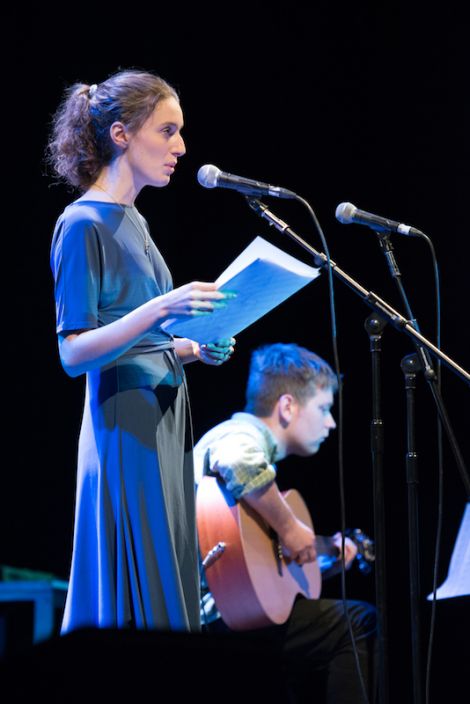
point(114, 184)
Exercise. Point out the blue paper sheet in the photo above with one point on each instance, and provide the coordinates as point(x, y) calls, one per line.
point(263, 276)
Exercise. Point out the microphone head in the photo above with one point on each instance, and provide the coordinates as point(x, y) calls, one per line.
point(208, 175)
point(345, 213)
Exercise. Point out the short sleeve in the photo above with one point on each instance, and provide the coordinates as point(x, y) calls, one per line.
point(76, 267)
point(242, 463)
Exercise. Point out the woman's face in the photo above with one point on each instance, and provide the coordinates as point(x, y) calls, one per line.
point(153, 151)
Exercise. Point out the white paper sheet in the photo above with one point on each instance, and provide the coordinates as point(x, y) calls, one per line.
point(457, 582)
point(263, 276)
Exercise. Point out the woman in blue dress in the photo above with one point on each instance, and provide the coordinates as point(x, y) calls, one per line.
point(134, 560)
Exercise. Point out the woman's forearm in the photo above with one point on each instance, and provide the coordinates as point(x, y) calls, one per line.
point(81, 352)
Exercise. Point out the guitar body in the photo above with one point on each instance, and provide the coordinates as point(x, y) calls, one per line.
point(252, 584)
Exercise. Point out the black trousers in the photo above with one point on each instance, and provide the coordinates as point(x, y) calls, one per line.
point(321, 664)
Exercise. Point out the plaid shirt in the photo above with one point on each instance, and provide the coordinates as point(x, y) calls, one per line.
point(241, 450)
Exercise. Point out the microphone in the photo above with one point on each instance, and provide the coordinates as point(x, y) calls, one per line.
point(210, 176)
point(347, 213)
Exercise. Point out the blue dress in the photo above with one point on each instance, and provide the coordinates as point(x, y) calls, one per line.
point(134, 559)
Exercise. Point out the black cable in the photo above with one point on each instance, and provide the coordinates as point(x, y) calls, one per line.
point(340, 440)
point(440, 476)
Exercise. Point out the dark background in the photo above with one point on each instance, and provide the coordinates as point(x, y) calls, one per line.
point(363, 104)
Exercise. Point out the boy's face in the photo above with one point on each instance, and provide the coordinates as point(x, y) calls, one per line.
point(310, 423)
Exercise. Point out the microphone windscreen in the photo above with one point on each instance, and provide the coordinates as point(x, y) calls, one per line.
point(345, 213)
point(208, 175)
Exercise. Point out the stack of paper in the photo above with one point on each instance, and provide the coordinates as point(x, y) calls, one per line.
point(263, 276)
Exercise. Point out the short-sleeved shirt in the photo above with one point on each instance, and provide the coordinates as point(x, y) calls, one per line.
point(242, 450)
point(101, 270)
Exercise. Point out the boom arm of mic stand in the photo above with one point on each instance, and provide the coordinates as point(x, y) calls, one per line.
point(374, 301)
point(380, 306)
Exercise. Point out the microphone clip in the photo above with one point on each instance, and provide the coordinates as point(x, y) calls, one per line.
point(263, 211)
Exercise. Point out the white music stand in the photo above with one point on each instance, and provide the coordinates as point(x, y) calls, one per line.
point(457, 582)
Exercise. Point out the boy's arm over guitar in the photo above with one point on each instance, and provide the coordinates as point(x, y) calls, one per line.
point(297, 538)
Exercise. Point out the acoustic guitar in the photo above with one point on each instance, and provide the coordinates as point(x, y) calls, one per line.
point(253, 583)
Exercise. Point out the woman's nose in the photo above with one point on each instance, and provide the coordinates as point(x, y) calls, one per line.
point(179, 148)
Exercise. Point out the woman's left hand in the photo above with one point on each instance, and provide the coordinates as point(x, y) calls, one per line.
point(215, 353)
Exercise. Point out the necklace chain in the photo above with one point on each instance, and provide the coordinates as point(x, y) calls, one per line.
point(141, 229)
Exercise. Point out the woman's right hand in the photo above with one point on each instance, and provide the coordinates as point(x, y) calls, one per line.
point(193, 299)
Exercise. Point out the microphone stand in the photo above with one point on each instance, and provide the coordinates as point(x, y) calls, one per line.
point(384, 310)
point(410, 365)
point(422, 346)
point(374, 325)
